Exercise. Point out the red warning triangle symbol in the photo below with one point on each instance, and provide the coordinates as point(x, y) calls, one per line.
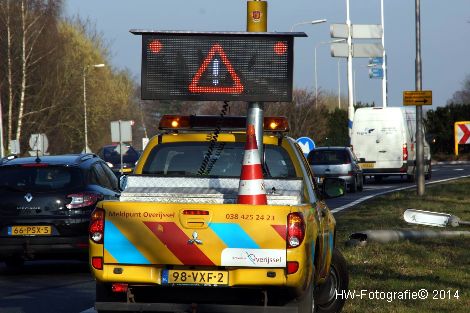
point(237, 87)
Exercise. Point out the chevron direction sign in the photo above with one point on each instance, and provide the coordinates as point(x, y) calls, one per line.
point(461, 134)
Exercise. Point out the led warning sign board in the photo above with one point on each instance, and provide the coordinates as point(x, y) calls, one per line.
point(217, 66)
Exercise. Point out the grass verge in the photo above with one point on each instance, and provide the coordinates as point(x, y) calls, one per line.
point(384, 276)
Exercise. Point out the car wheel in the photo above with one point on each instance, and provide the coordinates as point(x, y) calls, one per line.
point(14, 262)
point(378, 178)
point(361, 184)
point(331, 296)
point(353, 185)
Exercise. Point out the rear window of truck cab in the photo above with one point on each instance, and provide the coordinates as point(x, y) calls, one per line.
point(223, 160)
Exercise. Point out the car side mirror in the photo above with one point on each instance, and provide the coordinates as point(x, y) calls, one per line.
point(122, 182)
point(333, 187)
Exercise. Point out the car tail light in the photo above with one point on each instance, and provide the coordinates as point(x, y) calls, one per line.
point(350, 173)
point(96, 229)
point(97, 262)
point(82, 199)
point(405, 152)
point(119, 287)
point(292, 267)
point(295, 229)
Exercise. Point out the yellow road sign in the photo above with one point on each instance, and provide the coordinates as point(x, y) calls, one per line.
point(423, 97)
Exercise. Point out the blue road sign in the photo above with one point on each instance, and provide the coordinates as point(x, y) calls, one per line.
point(376, 61)
point(376, 72)
point(306, 144)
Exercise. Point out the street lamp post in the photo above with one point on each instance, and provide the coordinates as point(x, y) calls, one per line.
point(85, 69)
point(308, 22)
point(315, 65)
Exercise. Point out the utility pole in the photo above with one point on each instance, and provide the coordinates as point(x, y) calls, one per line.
point(384, 58)
point(350, 74)
point(419, 108)
point(257, 21)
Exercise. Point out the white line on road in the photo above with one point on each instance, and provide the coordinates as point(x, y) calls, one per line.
point(351, 204)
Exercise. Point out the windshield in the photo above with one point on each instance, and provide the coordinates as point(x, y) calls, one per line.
point(328, 157)
point(39, 178)
point(192, 158)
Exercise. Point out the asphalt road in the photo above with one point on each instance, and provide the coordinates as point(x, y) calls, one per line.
point(67, 287)
point(440, 174)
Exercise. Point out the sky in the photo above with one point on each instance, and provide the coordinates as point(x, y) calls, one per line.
point(445, 38)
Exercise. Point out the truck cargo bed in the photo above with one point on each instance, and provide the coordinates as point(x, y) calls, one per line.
point(205, 190)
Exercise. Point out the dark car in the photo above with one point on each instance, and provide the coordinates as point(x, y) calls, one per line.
point(47, 203)
point(111, 155)
point(337, 162)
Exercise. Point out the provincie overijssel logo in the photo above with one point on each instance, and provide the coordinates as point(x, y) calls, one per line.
point(262, 260)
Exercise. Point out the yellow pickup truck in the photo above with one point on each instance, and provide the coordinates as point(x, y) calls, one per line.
point(177, 241)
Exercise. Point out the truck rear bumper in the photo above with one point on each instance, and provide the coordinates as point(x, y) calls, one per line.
point(192, 307)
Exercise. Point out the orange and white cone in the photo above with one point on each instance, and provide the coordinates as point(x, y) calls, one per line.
point(251, 189)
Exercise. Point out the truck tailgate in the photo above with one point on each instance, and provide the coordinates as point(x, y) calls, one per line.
point(195, 234)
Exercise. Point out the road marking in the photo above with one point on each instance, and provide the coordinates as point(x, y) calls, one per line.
point(90, 310)
point(351, 204)
point(459, 169)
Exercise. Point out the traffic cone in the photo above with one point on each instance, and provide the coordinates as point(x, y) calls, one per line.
point(251, 189)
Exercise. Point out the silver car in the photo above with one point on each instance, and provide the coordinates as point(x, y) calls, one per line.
point(337, 162)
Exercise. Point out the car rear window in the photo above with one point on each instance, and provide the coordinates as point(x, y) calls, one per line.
point(192, 158)
point(328, 157)
point(39, 178)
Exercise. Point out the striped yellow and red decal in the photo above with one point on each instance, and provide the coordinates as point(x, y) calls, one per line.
point(155, 235)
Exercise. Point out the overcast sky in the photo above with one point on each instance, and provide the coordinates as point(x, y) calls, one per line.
point(445, 32)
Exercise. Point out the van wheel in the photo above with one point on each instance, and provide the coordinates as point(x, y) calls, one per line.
point(353, 185)
point(428, 175)
point(328, 297)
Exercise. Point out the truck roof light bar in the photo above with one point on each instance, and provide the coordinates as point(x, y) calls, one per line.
point(210, 122)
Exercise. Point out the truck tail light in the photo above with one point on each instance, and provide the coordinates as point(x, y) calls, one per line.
point(96, 229)
point(97, 262)
point(405, 152)
point(82, 199)
point(295, 229)
point(292, 267)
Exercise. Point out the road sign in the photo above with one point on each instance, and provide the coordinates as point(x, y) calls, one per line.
point(358, 31)
point(14, 146)
point(39, 142)
point(423, 97)
point(359, 50)
point(376, 61)
point(214, 66)
point(366, 31)
point(306, 144)
point(124, 134)
point(461, 134)
point(339, 31)
point(376, 72)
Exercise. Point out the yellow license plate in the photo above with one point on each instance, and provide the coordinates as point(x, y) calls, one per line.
point(29, 230)
point(366, 165)
point(198, 277)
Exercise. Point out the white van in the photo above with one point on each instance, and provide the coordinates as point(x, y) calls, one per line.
point(384, 141)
